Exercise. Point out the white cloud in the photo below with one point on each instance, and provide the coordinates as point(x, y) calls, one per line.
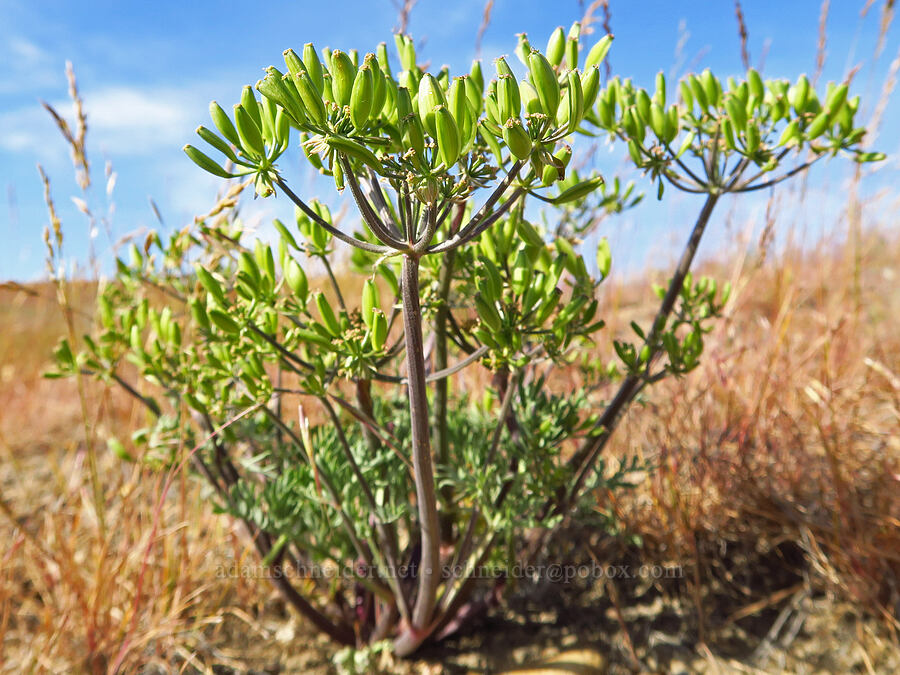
point(130, 120)
point(122, 121)
point(27, 67)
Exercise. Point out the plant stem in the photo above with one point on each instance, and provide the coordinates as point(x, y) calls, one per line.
point(429, 567)
point(583, 460)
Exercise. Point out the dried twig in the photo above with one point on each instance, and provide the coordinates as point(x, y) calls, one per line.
point(485, 22)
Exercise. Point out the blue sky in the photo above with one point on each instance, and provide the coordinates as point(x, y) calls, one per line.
point(147, 71)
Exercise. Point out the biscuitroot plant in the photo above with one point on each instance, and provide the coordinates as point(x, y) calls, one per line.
point(396, 423)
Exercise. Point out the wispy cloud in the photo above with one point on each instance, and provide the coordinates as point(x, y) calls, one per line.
point(27, 67)
point(122, 121)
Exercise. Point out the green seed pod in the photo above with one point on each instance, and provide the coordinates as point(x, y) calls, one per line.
point(604, 258)
point(736, 112)
point(509, 101)
point(430, 95)
point(686, 144)
point(492, 289)
point(642, 104)
point(658, 122)
point(534, 292)
point(791, 134)
point(659, 96)
point(818, 126)
point(337, 171)
point(327, 88)
point(530, 98)
point(458, 105)
point(248, 266)
point(410, 124)
point(382, 56)
point(474, 96)
point(556, 46)
point(544, 80)
point(220, 145)
point(404, 103)
point(578, 191)
point(556, 171)
point(328, 317)
point(379, 330)
point(711, 87)
point(343, 74)
point(674, 120)
point(293, 62)
point(380, 83)
point(267, 115)
point(521, 273)
point(369, 302)
point(313, 65)
point(248, 100)
point(548, 304)
point(574, 101)
point(529, 235)
point(355, 150)
point(361, 97)
point(447, 135)
point(590, 86)
point(606, 110)
point(835, 101)
point(224, 322)
point(476, 76)
point(273, 87)
point(223, 123)
point(572, 53)
point(845, 119)
point(492, 115)
point(311, 98)
point(487, 246)
point(428, 190)
point(635, 152)
point(502, 67)
point(198, 312)
point(686, 96)
point(488, 314)
point(699, 93)
point(780, 108)
point(598, 51)
point(392, 92)
point(406, 50)
point(249, 131)
point(211, 285)
point(517, 139)
point(296, 279)
point(728, 133)
point(757, 90)
point(752, 138)
point(523, 48)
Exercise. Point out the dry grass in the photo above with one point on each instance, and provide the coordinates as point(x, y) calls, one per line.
point(786, 435)
point(73, 598)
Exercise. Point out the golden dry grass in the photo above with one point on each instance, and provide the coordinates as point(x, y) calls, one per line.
point(789, 431)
